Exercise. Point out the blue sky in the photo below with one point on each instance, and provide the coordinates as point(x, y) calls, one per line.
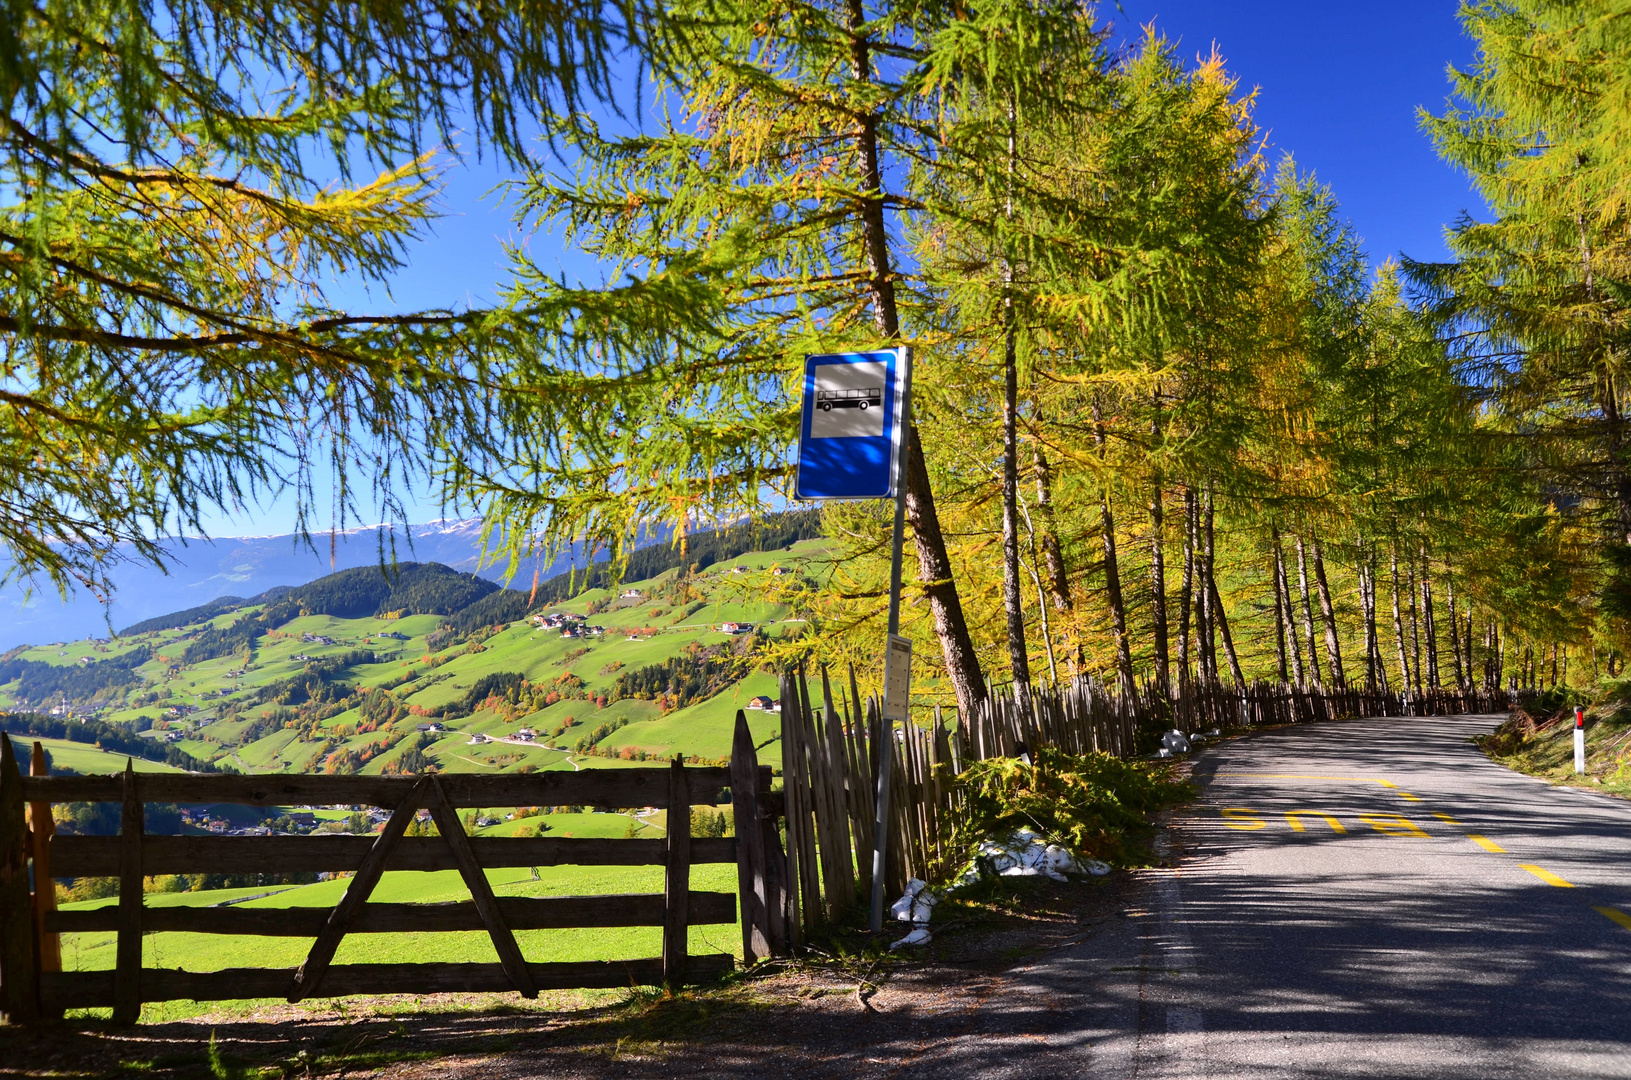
point(1338, 87)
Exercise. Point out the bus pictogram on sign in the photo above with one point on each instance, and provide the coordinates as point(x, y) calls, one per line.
point(863, 398)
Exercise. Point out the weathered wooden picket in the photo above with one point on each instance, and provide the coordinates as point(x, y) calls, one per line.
point(33, 985)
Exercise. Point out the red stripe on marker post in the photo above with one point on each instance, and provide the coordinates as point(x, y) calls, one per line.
point(1579, 739)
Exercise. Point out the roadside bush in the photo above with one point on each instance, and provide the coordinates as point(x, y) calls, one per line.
point(1094, 804)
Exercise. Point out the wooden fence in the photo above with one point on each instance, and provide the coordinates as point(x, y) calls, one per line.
point(829, 747)
point(32, 984)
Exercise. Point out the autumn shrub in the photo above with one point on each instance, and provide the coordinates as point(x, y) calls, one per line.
point(1093, 804)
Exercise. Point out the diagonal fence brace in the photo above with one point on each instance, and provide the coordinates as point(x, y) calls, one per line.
point(356, 894)
point(475, 879)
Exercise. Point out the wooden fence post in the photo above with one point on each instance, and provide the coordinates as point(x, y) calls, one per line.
point(776, 888)
point(41, 827)
point(127, 972)
point(751, 885)
point(677, 878)
point(19, 974)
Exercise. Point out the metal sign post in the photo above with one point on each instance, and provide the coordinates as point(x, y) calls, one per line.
point(853, 438)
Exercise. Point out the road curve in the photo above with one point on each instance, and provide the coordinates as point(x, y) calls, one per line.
point(1364, 898)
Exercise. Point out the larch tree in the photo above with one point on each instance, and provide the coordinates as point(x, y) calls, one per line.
point(179, 181)
point(1537, 299)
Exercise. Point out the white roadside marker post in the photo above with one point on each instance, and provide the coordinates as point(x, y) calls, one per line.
point(1579, 739)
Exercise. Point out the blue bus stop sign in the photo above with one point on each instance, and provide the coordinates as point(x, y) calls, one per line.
point(852, 430)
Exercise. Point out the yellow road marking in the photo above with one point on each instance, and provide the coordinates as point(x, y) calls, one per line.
point(1446, 817)
point(1616, 914)
point(1547, 876)
point(1392, 824)
point(1487, 845)
point(1242, 818)
point(1407, 795)
point(1297, 825)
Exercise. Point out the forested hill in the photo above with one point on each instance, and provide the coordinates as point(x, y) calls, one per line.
point(699, 552)
point(469, 601)
point(408, 588)
point(403, 589)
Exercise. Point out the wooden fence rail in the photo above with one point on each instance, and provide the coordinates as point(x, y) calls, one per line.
point(32, 984)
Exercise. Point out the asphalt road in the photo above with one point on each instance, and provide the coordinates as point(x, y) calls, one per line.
point(1368, 898)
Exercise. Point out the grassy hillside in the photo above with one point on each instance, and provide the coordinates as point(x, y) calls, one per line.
point(79, 758)
point(340, 675)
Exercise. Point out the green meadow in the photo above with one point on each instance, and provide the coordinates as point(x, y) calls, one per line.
point(83, 758)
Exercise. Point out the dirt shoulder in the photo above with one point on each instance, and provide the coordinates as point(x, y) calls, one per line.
point(836, 1011)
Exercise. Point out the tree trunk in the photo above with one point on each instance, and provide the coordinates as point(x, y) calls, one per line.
point(1308, 615)
point(1053, 559)
point(939, 585)
point(1235, 672)
point(1467, 641)
point(1333, 644)
point(1282, 589)
point(1279, 614)
point(1461, 682)
point(1429, 623)
point(1186, 589)
point(1158, 571)
point(1112, 570)
point(1013, 603)
point(935, 573)
point(1206, 646)
point(1367, 602)
point(1398, 623)
point(1415, 629)
point(1206, 656)
point(1215, 604)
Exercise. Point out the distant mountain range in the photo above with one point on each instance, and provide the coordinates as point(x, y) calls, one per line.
point(203, 570)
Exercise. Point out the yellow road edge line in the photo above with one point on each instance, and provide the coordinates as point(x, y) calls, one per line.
point(1616, 914)
point(1547, 876)
point(1445, 817)
point(1407, 795)
point(1490, 845)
